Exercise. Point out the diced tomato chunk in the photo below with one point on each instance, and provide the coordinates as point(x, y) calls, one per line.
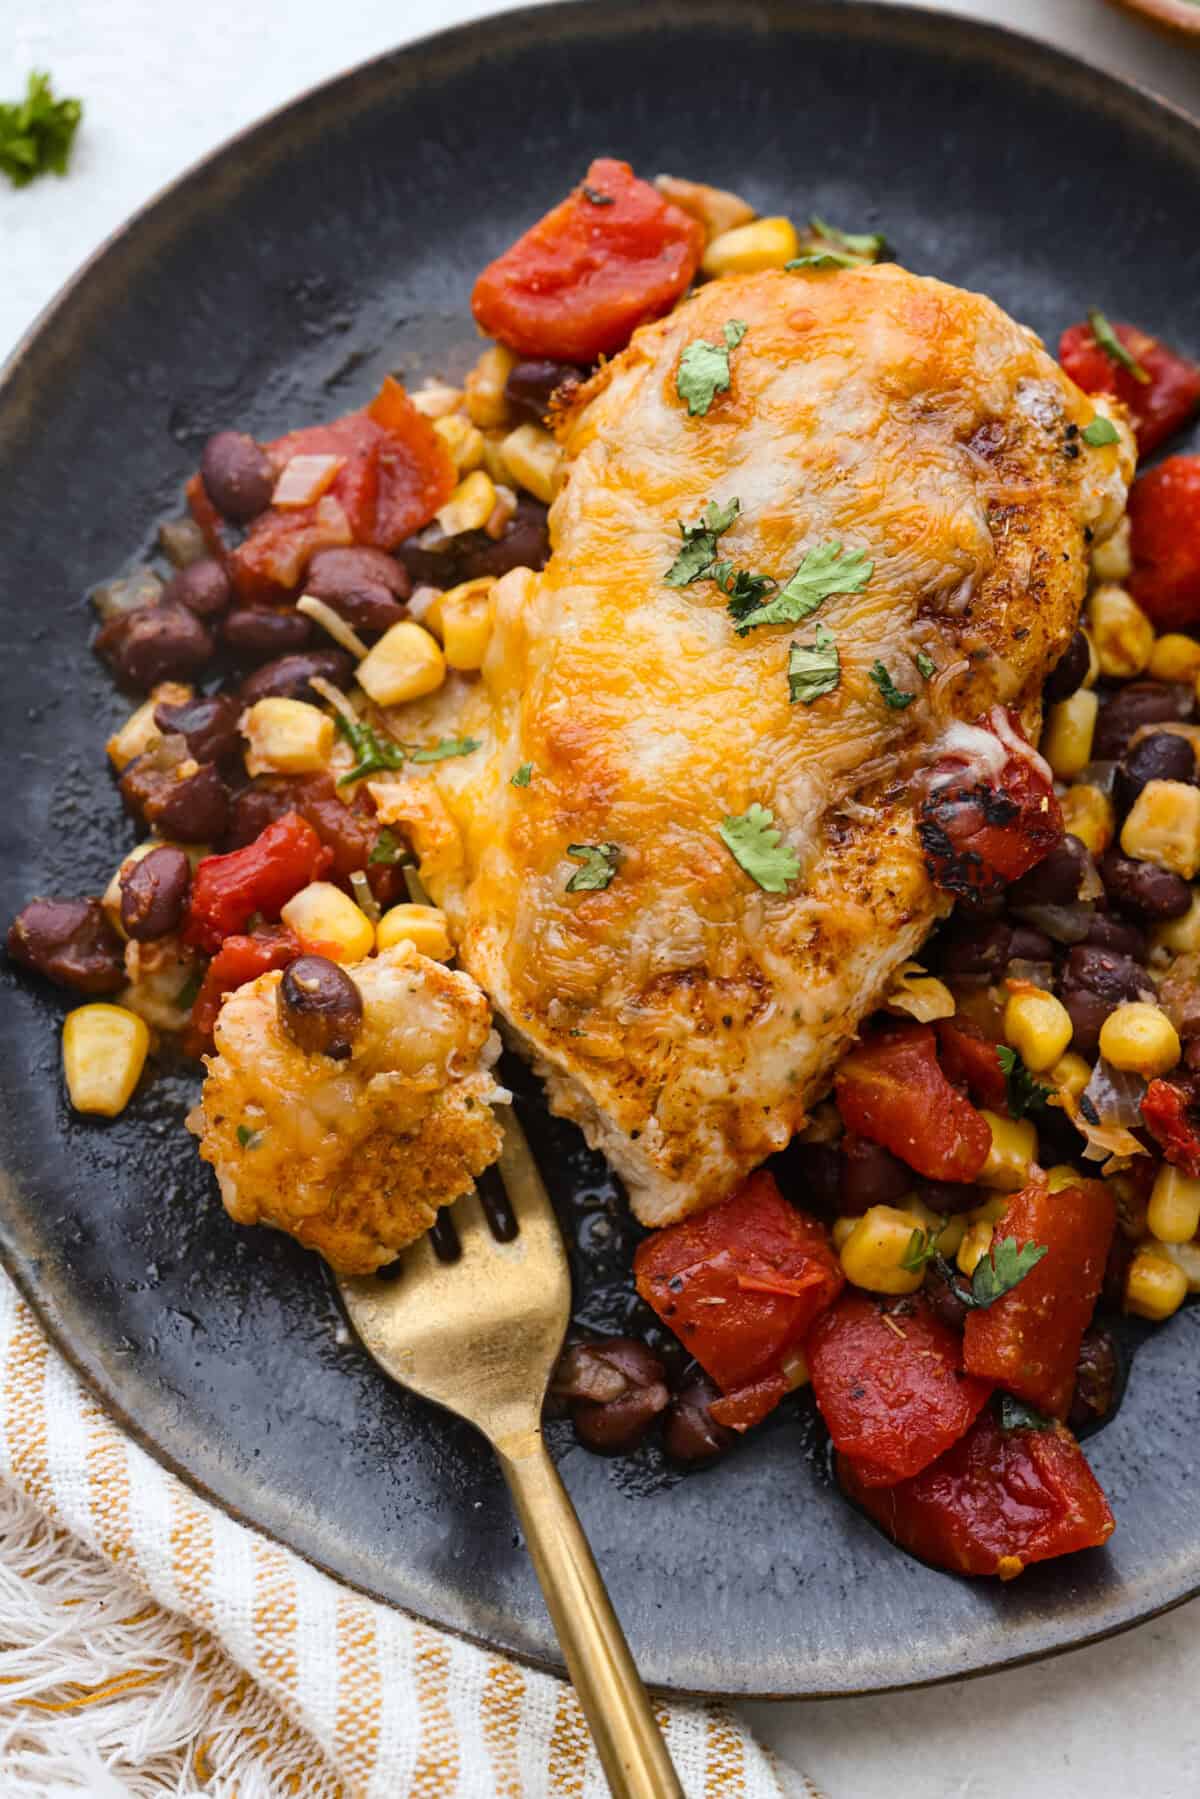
point(1027, 1341)
point(239, 959)
point(972, 1061)
point(1165, 1114)
point(980, 830)
point(994, 1503)
point(207, 517)
point(1158, 406)
point(892, 1090)
point(741, 1283)
point(576, 285)
point(888, 1378)
point(748, 1406)
point(227, 891)
point(1164, 520)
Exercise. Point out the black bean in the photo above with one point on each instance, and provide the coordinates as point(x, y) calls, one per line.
point(810, 1175)
point(1108, 932)
point(1067, 675)
point(1087, 1012)
point(948, 1197)
point(334, 573)
point(979, 950)
point(531, 385)
point(1165, 756)
point(203, 587)
point(253, 808)
point(1029, 945)
point(1095, 980)
point(368, 610)
point(1137, 703)
point(1096, 1375)
point(208, 724)
point(156, 643)
point(1116, 1271)
point(319, 1007)
point(945, 1294)
point(870, 1176)
point(617, 1388)
point(1054, 881)
point(290, 677)
point(237, 475)
point(154, 893)
point(690, 1432)
point(165, 789)
point(1143, 888)
point(435, 560)
point(256, 633)
point(71, 942)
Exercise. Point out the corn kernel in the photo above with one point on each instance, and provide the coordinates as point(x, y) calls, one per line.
point(764, 244)
point(286, 737)
point(1070, 1073)
point(1038, 1027)
point(405, 664)
point(1013, 1149)
point(463, 440)
point(466, 623)
point(533, 459)
point(842, 1228)
point(1067, 738)
point(422, 926)
point(1088, 814)
point(1163, 827)
point(328, 923)
point(104, 1050)
point(1140, 1038)
point(716, 208)
point(1187, 1257)
point(973, 1248)
point(139, 730)
point(484, 387)
point(1111, 560)
point(1155, 1287)
point(991, 1211)
point(873, 1251)
point(1173, 1214)
point(1179, 934)
point(1121, 632)
point(1062, 1175)
point(436, 400)
point(470, 505)
point(1174, 658)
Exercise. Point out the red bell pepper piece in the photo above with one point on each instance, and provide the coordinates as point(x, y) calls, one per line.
point(741, 1283)
point(892, 1090)
point(994, 1503)
point(972, 1061)
point(228, 890)
point(1158, 405)
point(239, 959)
point(981, 828)
point(1165, 1115)
point(888, 1379)
point(576, 285)
point(1028, 1340)
point(1164, 520)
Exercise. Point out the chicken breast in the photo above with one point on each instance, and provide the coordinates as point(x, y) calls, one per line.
point(685, 1017)
point(353, 1157)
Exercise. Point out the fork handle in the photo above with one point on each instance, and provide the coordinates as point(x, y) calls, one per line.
point(615, 1703)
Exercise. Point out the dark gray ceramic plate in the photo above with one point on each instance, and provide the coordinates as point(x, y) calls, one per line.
point(274, 285)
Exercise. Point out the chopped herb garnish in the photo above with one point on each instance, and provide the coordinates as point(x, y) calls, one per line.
point(1113, 348)
point(444, 748)
point(376, 754)
point(870, 245)
point(1015, 1414)
point(1002, 1269)
point(745, 591)
point(756, 845)
point(1100, 431)
point(186, 998)
point(826, 259)
point(385, 849)
point(926, 666)
point(1024, 1093)
point(922, 1247)
point(523, 776)
point(36, 133)
point(892, 695)
point(599, 866)
point(704, 369)
point(700, 543)
point(813, 669)
point(597, 196)
point(824, 571)
point(247, 1138)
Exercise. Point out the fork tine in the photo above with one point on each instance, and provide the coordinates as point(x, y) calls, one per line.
point(523, 1183)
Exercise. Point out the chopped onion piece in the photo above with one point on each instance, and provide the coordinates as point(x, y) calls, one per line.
point(1037, 974)
point(1103, 1140)
point(920, 994)
point(1115, 1095)
point(420, 600)
point(1099, 774)
point(363, 896)
point(1065, 924)
point(305, 479)
point(330, 621)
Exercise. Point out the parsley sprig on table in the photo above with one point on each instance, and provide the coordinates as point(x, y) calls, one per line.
point(36, 134)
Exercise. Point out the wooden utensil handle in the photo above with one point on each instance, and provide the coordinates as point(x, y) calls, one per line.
point(616, 1704)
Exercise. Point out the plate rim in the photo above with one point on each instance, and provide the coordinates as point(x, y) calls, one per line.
point(1033, 58)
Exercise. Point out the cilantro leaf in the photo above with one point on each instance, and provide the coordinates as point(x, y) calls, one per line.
point(599, 866)
point(523, 775)
point(36, 133)
point(733, 331)
point(700, 543)
point(922, 1247)
point(1002, 1269)
point(378, 754)
point(385, 849)
point(824, 571)
point(247, 1138)
point(870, 245)
point(926, 666)
point(1016, 1414)
point(442, 749)
point(756, 845)
point(744, 590)
point(826, 259)
point(1100, 431)
point(703, 373)
point(1113, 348)
point(813, 669)
point(892, 695)
point(1024, 1093)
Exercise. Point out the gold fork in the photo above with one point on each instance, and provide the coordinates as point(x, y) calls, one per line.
point(480, 1335)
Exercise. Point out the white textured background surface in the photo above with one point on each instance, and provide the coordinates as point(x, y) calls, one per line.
point(164, 81)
